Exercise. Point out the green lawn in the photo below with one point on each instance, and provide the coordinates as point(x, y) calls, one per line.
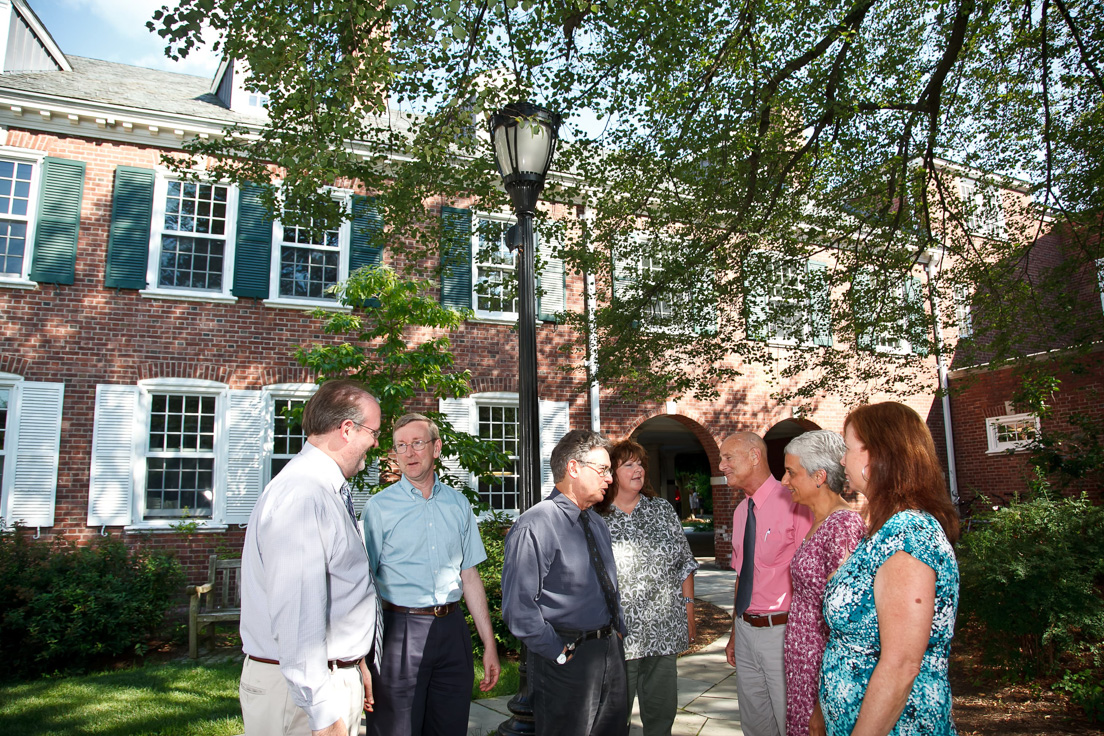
point(174, 699)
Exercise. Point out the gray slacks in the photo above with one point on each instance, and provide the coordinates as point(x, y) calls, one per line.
point(760, 678)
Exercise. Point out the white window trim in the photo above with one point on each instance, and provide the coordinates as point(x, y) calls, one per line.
point(980, 196)
point(273, 393)
point(35, 158)
point(481, 315)
point(157, 225)
point(7, 381)
point(1100, 280)
point(904, 345)
point(639, 242)
point(495, 398)
point(194, 387)
point(1005, 448)
point(964, 312)
point(344, 236)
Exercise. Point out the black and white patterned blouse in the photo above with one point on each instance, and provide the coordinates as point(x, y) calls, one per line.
point(653, 558)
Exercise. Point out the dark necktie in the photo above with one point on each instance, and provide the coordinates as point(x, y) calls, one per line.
point(747, 567)
point(377, 638)
point(600, 568)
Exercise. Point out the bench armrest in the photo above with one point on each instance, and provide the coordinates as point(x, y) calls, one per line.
point(198, 589)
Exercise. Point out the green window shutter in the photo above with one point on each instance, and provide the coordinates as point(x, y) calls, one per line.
point(918, 333)
point(757, 279)
point(366, 241)
point(551, 283)
point(820, 304)
point(128, 244)
point(58, 224)
point(456, 265)
point(253, 249)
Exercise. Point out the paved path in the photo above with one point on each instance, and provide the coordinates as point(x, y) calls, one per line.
point(706, 686)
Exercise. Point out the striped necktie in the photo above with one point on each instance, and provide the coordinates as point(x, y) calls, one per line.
point(377, 639)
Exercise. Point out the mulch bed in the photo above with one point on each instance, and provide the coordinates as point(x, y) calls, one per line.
point(713, 622)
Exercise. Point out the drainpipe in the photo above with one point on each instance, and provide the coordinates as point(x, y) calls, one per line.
point(591, 306)
point(941, 365)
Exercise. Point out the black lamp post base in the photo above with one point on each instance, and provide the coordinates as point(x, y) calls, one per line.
point(521, 722)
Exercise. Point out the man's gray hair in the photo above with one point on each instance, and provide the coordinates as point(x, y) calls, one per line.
point(574, 446)
point(820, 449)
point(406, 419)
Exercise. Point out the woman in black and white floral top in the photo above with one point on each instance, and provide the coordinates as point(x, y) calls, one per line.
point(655, 575)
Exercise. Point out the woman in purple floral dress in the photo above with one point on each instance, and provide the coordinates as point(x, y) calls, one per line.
point(815, 478)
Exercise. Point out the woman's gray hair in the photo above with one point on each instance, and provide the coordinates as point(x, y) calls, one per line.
point(820, 449)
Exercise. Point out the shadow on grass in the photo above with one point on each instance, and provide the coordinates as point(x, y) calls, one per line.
point(174, 699)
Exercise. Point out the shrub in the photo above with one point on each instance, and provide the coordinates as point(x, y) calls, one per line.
point(493, 532)
point(1029, 576)
point(68, 608)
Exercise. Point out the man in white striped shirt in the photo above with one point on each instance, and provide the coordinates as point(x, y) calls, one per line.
point(309, 607)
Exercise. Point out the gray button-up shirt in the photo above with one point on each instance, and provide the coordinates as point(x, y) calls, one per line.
point(548, 581)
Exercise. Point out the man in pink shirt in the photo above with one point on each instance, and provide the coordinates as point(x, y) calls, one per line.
point(767, 529)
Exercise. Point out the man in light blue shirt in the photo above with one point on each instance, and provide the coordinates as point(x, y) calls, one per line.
point(423, 545)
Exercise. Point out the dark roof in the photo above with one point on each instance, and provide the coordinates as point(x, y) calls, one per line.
point(128, 86)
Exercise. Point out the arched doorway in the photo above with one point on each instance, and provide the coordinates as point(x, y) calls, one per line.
point(778, 437)
point(675, 452)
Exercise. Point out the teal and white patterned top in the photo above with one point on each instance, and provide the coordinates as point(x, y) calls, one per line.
point(853, 640)
point(653, 558)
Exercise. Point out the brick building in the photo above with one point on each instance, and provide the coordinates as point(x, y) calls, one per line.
point(149, 322)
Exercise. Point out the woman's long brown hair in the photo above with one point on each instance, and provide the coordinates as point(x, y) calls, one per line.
point(904, 471)
point(621, 453)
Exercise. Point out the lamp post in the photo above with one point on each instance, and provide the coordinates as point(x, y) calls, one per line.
point(524, 138)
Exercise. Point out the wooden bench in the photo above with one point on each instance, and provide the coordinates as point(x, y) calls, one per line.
point(216, 601)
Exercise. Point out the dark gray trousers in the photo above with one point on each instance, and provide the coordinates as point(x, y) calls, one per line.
point(425, 680)
point(587, 696)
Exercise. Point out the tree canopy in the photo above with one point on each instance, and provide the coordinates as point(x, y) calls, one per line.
point(719, 146)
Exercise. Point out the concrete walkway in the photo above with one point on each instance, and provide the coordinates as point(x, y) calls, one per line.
point(706, 686)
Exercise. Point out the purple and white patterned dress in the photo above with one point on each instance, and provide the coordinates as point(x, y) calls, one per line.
point(806, 632)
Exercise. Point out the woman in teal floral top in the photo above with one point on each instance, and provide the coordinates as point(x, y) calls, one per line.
point(891, 606)
point(655, 576)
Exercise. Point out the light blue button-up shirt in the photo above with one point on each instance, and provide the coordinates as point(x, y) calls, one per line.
point(418, 546)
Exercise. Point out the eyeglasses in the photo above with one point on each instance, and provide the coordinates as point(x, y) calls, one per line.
point(602, 470)
point(416, 445)
point(375, 432)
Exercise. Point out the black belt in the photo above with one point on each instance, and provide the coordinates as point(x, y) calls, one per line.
point(437, 611)
point(581, 636)
point(339, 663)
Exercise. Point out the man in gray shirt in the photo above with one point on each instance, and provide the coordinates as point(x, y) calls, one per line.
point(309, 608)
point(559, 596)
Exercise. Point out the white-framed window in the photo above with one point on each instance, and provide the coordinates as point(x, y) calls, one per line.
point(964, 316)
point(494, 269)
point(5, 407)
point(983, 208)
point(286, 433)
point(786, 303)
point(19, 182)
point(494, 416)
point(497, 422)
point(1100, 280)
point(182, 449)
point(891, 341)
point(192, 238)
point(661, 306)
point(1011, 432)
point(788, 300)
point(307, 261)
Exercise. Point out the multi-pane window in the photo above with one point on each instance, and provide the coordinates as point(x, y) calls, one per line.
point(786, 302)
point(15, 201)
point(983, 208)
point(1011, 432)
point(495, 282)
point(499, 424)
point(964, 317)
point(193, 238)
point(180, 462)
point(287, 434)
point(651, 271)
point(310, 260)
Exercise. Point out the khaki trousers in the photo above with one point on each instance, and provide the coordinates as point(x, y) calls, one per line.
point(268, 709)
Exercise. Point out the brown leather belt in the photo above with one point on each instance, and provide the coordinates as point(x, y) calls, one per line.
point(776, 619)
point(339, 663)
point(438, 611)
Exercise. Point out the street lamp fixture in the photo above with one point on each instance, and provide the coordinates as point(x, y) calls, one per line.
point(524, 137)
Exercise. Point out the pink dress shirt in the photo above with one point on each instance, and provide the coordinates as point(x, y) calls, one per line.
point(780, 526)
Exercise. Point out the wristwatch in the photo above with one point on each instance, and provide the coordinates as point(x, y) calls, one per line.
point(687, 599)
point(562, 659)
